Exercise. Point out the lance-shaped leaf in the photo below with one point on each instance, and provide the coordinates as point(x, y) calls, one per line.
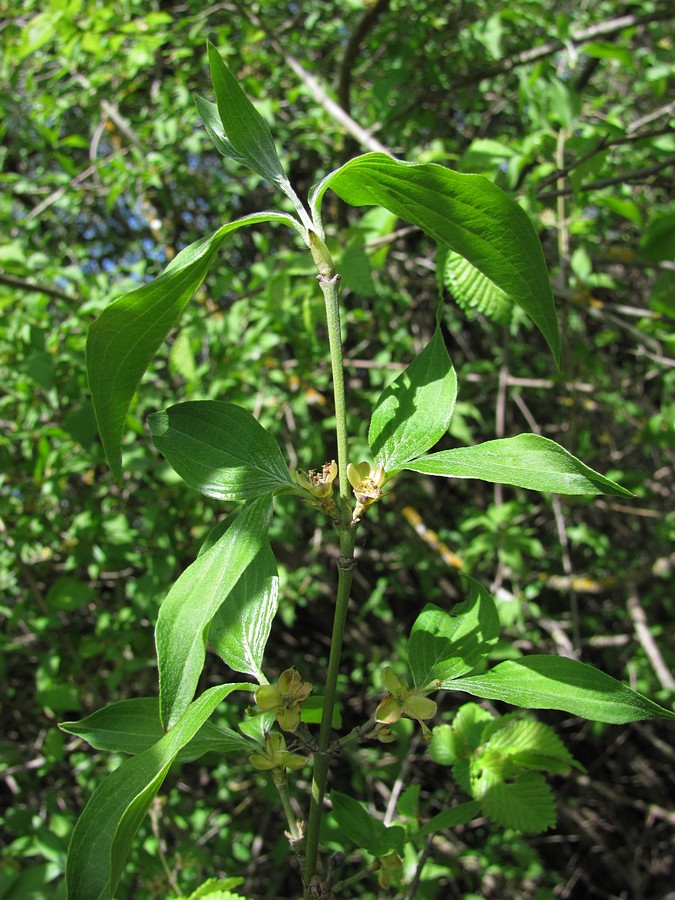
point(133, 726)
point(367, 832)
point(215, 130)
point(243, 125)
point(416, 409)
point(467, 213)
point(186, 613)
point(526, 460)
point(104, 832)
point(444, 644)
point(220, 449)
point(241, 627)
point(123, 340)
point(555, 682)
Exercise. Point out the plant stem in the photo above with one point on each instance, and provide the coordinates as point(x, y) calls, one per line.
point(346, 566)
point(330, 287)
point(329, 283)
point(281, 783)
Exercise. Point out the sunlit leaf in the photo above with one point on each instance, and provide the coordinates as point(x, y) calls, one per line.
point(123, 340)
point(104, 832)
point(220, 449)
point(187, 611)
point(415, 410)
point(526, 460)
point(555, 682)
point(468, 213)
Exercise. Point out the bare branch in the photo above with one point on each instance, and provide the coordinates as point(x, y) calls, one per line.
point(334, 110)
point(580, 36)
point(24, 285)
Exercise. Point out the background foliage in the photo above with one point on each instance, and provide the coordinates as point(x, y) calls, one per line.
point(107, 173)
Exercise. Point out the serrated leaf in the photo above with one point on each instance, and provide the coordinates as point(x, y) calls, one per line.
point(524, 802)
point(555, 682)
point(187, 611)
point(453, 817)
point(125, 337)
point(529, 743)
point(474, 292)
point(241, 626)
point(526, 460)
point(243, 125)
point(444, 644)
point(218, 889)
point(104, 832)
point(467, 213)
point(414, 412)
point(220, 449)
point(443, 745)
point(133, 726)
point(367, 832)
point(458, 740)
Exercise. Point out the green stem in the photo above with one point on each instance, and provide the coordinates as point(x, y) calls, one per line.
point(329, 282)
point(281, 782)
point(330, 287)
point(346, 566)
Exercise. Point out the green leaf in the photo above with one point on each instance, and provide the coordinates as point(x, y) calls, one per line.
point(218, 889)
point(513, 799)
point(450, 818)
point(125, 337)
point(132, 726)
point(458, 740)
point(529, 743)
point(526, 460)
point(363, 829)
point(245, 128)
point(220, 450)
point(444, 645)
point(215, 130)
point(104, 832)
point(468, 213)
point(415, 410)
point(473, 291)
point(241, 627)
point(186, 613)
point(555, 682)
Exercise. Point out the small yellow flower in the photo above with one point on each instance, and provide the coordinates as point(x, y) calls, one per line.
point(367, 485)
point(319, 485)
point(276, 756)
point(389, 866)
point(285, 698)
point(404, 701)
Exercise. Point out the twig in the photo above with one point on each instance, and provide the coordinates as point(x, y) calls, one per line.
point(581, 36)
point(604, 144)
point(648, 643)
point(636, 175)
point(82, 176)
point(366, 24)
point(25, 285)
point(317, 90)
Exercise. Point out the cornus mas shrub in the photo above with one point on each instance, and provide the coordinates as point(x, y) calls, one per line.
point(228, 597)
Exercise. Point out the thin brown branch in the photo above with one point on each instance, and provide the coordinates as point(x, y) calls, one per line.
point(24, 284)
point(648, 643)
point(334, 110)
point(637, 175)
point(600, 147)
point(74, 182)
point(580, 36)
point(365, 25)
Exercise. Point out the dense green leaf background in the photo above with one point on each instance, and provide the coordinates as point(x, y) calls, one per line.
point(107, 174)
